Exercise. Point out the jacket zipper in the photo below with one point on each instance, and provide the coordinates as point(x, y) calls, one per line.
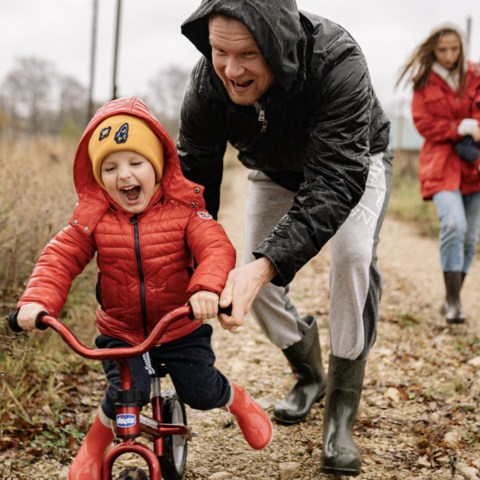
point(260, 107)
point(134, 222)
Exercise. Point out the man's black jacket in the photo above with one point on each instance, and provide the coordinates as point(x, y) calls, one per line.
point(322, 123)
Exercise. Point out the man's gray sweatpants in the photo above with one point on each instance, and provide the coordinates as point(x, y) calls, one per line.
point(355, 282)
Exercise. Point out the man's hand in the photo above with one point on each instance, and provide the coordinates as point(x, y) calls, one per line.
point(243, 284)
point(28, 314)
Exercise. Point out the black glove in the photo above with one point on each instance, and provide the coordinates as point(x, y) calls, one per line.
point(468, 149)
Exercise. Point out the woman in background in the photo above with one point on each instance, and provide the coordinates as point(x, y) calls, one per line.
point(446, 112)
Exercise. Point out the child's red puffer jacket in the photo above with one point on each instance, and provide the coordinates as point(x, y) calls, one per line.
point(145, 261)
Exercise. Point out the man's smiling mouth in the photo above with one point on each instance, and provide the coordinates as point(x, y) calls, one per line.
point(241, 85)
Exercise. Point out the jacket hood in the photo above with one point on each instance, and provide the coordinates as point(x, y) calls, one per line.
point(274, 24)
point(173, 184)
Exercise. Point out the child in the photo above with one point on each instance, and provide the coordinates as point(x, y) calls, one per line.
point(146, 223)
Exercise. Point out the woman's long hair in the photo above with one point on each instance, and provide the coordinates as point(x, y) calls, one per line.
point(419, 66)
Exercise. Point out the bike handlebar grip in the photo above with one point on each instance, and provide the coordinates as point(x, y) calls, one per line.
point(13, 322)
point(38, 321)
point(225, 310)
point(15, 327)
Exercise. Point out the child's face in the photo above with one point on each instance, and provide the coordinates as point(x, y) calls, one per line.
point(129, 179)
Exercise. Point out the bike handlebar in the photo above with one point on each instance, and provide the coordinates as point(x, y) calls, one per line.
point(44, 321)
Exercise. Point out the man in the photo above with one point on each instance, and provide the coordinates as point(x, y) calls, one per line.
point(292, 93)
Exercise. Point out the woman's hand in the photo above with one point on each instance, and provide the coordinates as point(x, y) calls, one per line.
point(476, 134)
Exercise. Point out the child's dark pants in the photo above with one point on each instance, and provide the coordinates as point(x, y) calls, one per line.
point(189, 362)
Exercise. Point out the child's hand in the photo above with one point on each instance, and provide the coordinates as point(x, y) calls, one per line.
point(204, 305)
point(28, 314)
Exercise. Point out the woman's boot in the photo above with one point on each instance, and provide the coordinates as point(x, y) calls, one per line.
point(252, 420)
point(453, 306)
point(305, 359)
point(340, 456)
point(88, 462)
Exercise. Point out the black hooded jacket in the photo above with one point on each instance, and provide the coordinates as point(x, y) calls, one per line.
point(322, 121)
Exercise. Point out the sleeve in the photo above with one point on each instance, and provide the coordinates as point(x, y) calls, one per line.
point(430, 115)
point(213, 252)
point(467, 126)
point(201, 142)
point(336, 165)
point(64, 257)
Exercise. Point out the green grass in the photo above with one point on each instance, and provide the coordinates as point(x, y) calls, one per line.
point(407, 205)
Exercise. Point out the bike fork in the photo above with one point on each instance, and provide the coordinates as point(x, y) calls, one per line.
point(156, 402)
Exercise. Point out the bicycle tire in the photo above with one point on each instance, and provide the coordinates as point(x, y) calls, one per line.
point(174, 460)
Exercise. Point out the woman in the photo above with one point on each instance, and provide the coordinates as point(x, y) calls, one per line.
point(446, 112)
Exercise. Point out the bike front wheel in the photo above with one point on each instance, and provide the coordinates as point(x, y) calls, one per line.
point(133, 473)
point(174, 460)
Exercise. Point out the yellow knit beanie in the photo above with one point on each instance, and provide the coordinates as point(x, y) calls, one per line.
point(124, 133)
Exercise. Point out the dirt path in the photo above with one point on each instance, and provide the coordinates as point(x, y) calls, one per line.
point(419, 414)
point(418, 417)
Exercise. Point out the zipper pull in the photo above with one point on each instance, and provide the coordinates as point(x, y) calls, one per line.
point(261, 116)
point(134, 219)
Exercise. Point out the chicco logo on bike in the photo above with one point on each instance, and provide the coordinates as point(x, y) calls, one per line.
point(126, 420)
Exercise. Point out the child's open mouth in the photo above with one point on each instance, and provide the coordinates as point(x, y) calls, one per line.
point(131, 193)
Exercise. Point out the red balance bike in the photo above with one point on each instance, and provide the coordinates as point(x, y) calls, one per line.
point(166, 430)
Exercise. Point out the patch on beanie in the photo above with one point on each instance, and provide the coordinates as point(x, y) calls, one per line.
point(104, 133)
point(122, 134)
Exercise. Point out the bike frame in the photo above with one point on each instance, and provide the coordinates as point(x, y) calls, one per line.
point(134, 423)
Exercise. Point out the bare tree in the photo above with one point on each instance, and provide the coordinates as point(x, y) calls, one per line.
point(29, 88)
point(72, 105)
point(167, 89)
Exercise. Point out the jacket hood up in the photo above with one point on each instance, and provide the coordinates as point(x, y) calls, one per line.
point(93, 200)
point(274, 24)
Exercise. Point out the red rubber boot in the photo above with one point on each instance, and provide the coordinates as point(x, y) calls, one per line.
point(88, 462)
point(252, 420)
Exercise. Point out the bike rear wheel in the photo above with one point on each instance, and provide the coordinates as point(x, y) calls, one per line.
point(174, 460)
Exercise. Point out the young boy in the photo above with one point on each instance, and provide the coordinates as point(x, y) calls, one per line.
point(145, 222)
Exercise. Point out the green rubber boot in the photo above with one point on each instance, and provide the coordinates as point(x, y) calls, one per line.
point(340, 455)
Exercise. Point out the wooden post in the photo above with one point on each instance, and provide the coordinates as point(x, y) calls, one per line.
point(93, 52)
point(115, 53)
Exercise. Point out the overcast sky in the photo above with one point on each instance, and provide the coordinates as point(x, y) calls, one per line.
point(150, 38)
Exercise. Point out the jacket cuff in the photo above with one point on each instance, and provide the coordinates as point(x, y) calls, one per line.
point(278, 280)
point(467, 126)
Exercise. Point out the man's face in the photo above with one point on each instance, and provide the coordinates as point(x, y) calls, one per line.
point(237, 60)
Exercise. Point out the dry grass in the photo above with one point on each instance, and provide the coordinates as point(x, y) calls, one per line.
point(36, 199)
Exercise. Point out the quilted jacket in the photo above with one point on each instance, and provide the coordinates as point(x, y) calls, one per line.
point(145, 261)
point(312, 132)
point(437, 111)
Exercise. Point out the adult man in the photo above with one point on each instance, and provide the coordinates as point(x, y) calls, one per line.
point(291, 92)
